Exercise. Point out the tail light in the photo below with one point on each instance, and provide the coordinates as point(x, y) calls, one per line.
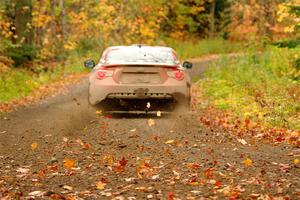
point(104, 73)
point(175, 73)
point(101, 75)
point(179, 75)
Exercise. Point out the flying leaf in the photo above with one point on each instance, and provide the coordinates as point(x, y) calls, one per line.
point(99, 112)
point(248, 162)
point(158, 114)
point(148, 105)
point(151, 122)
point(34, 146)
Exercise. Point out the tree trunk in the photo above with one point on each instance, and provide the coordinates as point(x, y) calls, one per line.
point(63, 18)
point(22, 18)
point(212, 19)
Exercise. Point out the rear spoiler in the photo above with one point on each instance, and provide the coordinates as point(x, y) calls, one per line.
point(141, 64)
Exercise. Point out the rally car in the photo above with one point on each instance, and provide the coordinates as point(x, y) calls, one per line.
point(139, 78)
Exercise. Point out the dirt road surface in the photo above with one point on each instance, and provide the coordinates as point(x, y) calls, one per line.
point(62, 149)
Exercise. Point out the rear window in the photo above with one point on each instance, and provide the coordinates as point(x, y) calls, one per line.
point(140, 55)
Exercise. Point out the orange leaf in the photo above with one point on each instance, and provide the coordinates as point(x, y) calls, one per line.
point(100, 185)
point(248, 162)
point(119, 168)
point(69, 163)
point(193, 166)
point(87, 146)
point(34, 146)
point(209, 173)
point(218, 184)
point(41, 174)
point(170, 196)
point(154, 137)
point(123, 161)
point(99, 112)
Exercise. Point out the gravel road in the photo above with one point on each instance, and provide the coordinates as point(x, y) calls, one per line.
point(61, 149)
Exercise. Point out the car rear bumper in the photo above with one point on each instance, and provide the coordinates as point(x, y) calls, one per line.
point(101, 91)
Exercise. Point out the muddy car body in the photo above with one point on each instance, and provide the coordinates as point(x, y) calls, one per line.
point(130, 77)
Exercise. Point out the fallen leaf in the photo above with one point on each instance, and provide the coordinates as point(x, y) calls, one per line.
point(194, 166)
point(209, 173)
point(129, 179)
point(65, 139)
point(100, 185)
point(79, 141)
point(169, 142)
point(86, 146)
point(170, 196)
point(133, 130)
point(154, 137)
point(193, 181)
point(123, 161)
point(218, 184)
point(248, 162)
point(177, 175)
point(151, 122)
point(23, 171)
point(107, 160)
point(154, 177)
point(34, 146)
point(69, 163)
point(36, 193)
point(242, 141)
point(66, 187)
point(296, 161)
point(284, 167)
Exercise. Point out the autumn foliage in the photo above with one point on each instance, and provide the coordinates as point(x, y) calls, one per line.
point(37, 31)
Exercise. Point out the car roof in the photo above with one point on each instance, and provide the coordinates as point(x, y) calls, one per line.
point(140, 54)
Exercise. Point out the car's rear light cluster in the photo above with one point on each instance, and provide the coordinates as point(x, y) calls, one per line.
point(175, 73)
point(104, 73)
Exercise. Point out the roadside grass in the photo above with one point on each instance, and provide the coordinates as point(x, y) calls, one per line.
point(262, 87)
point(18, 83)
point(197, 48)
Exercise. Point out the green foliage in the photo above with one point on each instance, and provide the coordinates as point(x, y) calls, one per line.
point(288, 43)
point(21, 53)
point(259, 86)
